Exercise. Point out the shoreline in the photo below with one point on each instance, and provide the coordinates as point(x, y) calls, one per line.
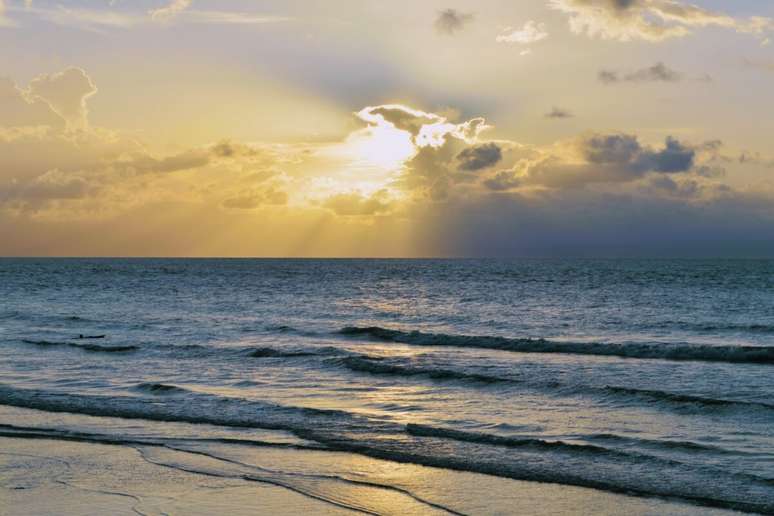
point(44, 475)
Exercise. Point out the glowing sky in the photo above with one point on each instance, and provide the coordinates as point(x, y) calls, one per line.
point(374, 128)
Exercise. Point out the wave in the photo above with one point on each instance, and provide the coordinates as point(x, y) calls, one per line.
point(716, 327)
point(281, 328)
point(529, 459)
point(682, 399)
point(510, 442)
point(276, 353)
point(666, 351)
point(200, 409)
point(94, 348)
point(160, 388)
point(375, 365)
point(65, 434)
point(193, 350)
point(382, 366)
point(683, 446)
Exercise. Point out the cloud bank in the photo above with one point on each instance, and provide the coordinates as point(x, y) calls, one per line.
point(454, 191)
point(649, 20)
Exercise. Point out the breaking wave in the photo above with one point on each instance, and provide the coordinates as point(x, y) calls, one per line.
point(665, 351)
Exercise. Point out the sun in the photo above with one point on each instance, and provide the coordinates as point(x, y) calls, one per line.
point(381, 146)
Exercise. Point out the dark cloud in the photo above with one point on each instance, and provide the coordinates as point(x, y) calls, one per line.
point(608, 77)
point(610, 148)
point(628, 158)
point(451, 21)
point(479, 157)
point(503, 180)
point(659, 72)
point(623, 4)
point(229, 149)
point(602, 158)
point(557, 112)
point(625, 150)
point(673, 158)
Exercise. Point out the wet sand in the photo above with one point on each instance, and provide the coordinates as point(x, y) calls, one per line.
point(52, 476)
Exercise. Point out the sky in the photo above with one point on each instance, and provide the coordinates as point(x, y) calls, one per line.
point(365, 128)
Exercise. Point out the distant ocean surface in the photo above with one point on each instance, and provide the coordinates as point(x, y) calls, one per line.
point(647, 377)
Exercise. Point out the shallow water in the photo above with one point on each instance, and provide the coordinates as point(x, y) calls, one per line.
point(645, 377)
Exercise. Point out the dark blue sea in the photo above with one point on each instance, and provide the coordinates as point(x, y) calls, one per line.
point(651, 378)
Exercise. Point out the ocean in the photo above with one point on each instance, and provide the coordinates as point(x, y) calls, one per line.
point(651, 378)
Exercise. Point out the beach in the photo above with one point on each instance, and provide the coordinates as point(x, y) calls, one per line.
point(70, 473)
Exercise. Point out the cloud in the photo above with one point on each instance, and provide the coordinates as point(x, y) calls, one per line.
point(451, 21)
point(453, 192)
point(54, 163)
point(559, 113)
point(479, 157)
point(99, 19)
point(168, 12)
point(94, 20)
point(356, 204)
point(49, 186)
point(143, 163)
point(649, 20)
point(20, 109)
point(400, 117)
point(231, 18)
point(229, 149)
point(66, 93)
point(251, 199)
point(659, 72)
point(595, 159)
point(503, 180)
point(531, 32)
point(440, 147)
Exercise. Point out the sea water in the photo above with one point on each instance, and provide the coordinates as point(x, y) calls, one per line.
point(647, 377)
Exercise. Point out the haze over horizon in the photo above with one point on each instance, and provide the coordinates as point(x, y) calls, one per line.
point(392, 129)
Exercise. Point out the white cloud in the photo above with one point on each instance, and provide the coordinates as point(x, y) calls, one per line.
point(166, 13)
point(530, 32)
point(66, 93)
point(99, 19)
